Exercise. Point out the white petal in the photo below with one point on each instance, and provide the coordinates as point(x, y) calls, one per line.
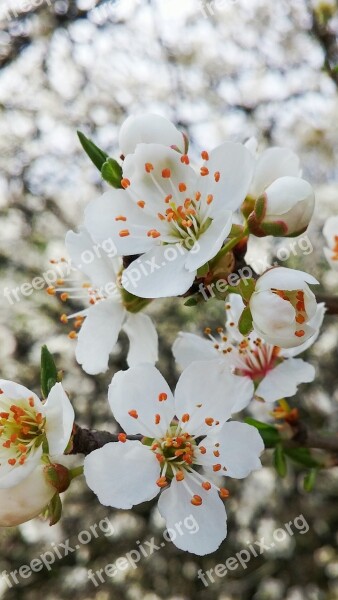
point(138, 389)
point(273, 163)
point(208, 522)
point(159, 273)
point(15, 391)
point(283, 278)
point(59, 419)
point(148, 129)
point(98, 335)
point(284, 193)
point(316, 323)
point(122, 474)
point(208, 389)
point(235, 164)
point(271, 313)
point(143, 339)
point(283, 380)
point(92, 260)
point(210, 242)
point(233, 314)
point(240, 446)
point(100, 220)
point(12, 476)
point(25, 500)
point(189, 348)
point(329, 257)
point(330, 230)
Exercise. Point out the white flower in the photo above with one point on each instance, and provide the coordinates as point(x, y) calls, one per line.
point(283, 307)
point(272, 371)
point(25, 500)
point(330, 232)
point(107, 314)
point(149, 129)
point(26, 424)
point(127, 473)
point(284, 202)
point(176, 219)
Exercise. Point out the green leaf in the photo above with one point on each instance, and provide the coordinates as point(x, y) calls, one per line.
point(303, 457)
point(245, 321)
point(49, 373)
point(192, 301)
point(54, 510)
point(111, 172)
point(96, 155)
point(279, 460)
point(310, 480)
point(203, 270)
point(269, 434)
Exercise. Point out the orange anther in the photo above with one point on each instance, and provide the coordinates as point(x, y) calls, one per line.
point(64, 296)
point(197, 196)
point(205, 155)
point(141, 203)
point(209, 198)
point(124, 232)
point(217, 467)
point(149, 167)
point(182, 187)
point(185, 417)
point(196, 500)
point(204, 171)
point(206, 485)
point(122, 437)
point(217, 176)
point(120, 218)
point(31, 401)
point(166, 173)
point(163, 396)
point(224, 493)
point(209, 421)
point(51, 290)
point(179, 476)
point(202, 449)
point(133, 413)
point(157, 419)
point(162, 482)
point(64, 319)
point(300, 333)
point(72, 335)
point(168, 198)
point(12, 461)
point(125, 183)
point(185, 159)
point(300, 319)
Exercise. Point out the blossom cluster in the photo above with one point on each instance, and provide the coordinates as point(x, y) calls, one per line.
point(175, 222)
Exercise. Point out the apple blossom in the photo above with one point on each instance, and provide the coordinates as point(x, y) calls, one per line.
point(272, 371)
point(184, 433)
point(283, 307)
point(330, 232)
point(149, 129)
point(107, 314)
point(281, 200)
point(176, 219)
point(30, 428)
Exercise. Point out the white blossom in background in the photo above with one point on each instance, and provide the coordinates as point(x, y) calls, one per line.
point(271, 370)
point(183, 433)
point(284, 308)
point(149, 129)
point(27, 499)
point(284, 201)
point(26, 424)
point(107, 315)
point(330, 232)
point(177, 219)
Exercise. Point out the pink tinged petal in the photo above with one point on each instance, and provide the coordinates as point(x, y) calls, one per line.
point(26, 500)
point(103, 221)
point(240, 446)
point(143, 339)
point(92, 260)
point(315, 323)
point(209, 393)
point(59, 419)
point(148, 129)
point(12, 475)
point(159, 273)
point(136, 396)
point(235, 164)
point(98, 335)
point(282, 278)
point(206, 525)
point(189, 348)
point(330, 230)
point(283, 380)
point(271, 165)
point(210, 242)
point(122, 474)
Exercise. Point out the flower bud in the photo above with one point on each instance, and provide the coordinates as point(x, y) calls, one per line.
point(25, 500)
point(283, 307)
point(285, 208)
point(58, 476)
point(149, 129)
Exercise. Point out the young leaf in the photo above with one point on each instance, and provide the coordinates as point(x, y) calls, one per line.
point(303, 457)
point(49, 373)
point(245, 321)
point(111, 172)
point(310, 480)
point(96, 155)
point(279, 460)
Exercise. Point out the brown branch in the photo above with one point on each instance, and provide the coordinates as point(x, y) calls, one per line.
point(328, 42)
point(331, 303)
point(86, 441)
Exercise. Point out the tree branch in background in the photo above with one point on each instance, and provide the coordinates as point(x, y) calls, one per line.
point(327, 38)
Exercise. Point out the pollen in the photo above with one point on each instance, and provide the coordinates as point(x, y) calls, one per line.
point(216, 467)
point(168, 198)
point(157, 419)
point(182, 187)
point(64, 319)
point(133, 413)
point(120, 218)
point(196, 500)
point(125, 183)
point(141, 203)
point(300, 333)
point(162, 482)
point(217, 176)
point(204, 171)
point(205, 155)
point(149, 167)
point(185, 418)
point(206, 485)
point(209, 421)
point(185, 159)
point(51, 290)
point(162, 397)
point(209, 198)
point(153, 233)
point(122, 437)
point(224, 493)
point(72, 335)
point(179, 476)
point(166, 173)
point(124, 232)
point(64, 296)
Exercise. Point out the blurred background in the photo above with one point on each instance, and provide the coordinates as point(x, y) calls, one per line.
point(224, 69)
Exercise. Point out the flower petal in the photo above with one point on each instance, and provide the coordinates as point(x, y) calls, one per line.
point(189, 348)
point(101, 267)
point(210, 242)
point(143, 339)
point(273, 163)
point(143, 390)
point(148, 129)
point(98, 335)
point(59, 419)
point(159, 273)
point(15, 391)
point(283, 380)
point(283, 278)
point(330, 230)
point(285, 193)
point(12, 476)
point(316, 323)
point(235, 164)
point(207, 522)
point(209, 390)
point(122, 474)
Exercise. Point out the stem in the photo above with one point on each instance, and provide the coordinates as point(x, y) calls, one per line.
point(76, 472)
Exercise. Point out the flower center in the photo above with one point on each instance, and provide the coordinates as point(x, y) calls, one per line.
point(296, 299)
point(21, 429)
point(175, 451)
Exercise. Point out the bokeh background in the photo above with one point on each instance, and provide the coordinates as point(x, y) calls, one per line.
point(224, 69)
